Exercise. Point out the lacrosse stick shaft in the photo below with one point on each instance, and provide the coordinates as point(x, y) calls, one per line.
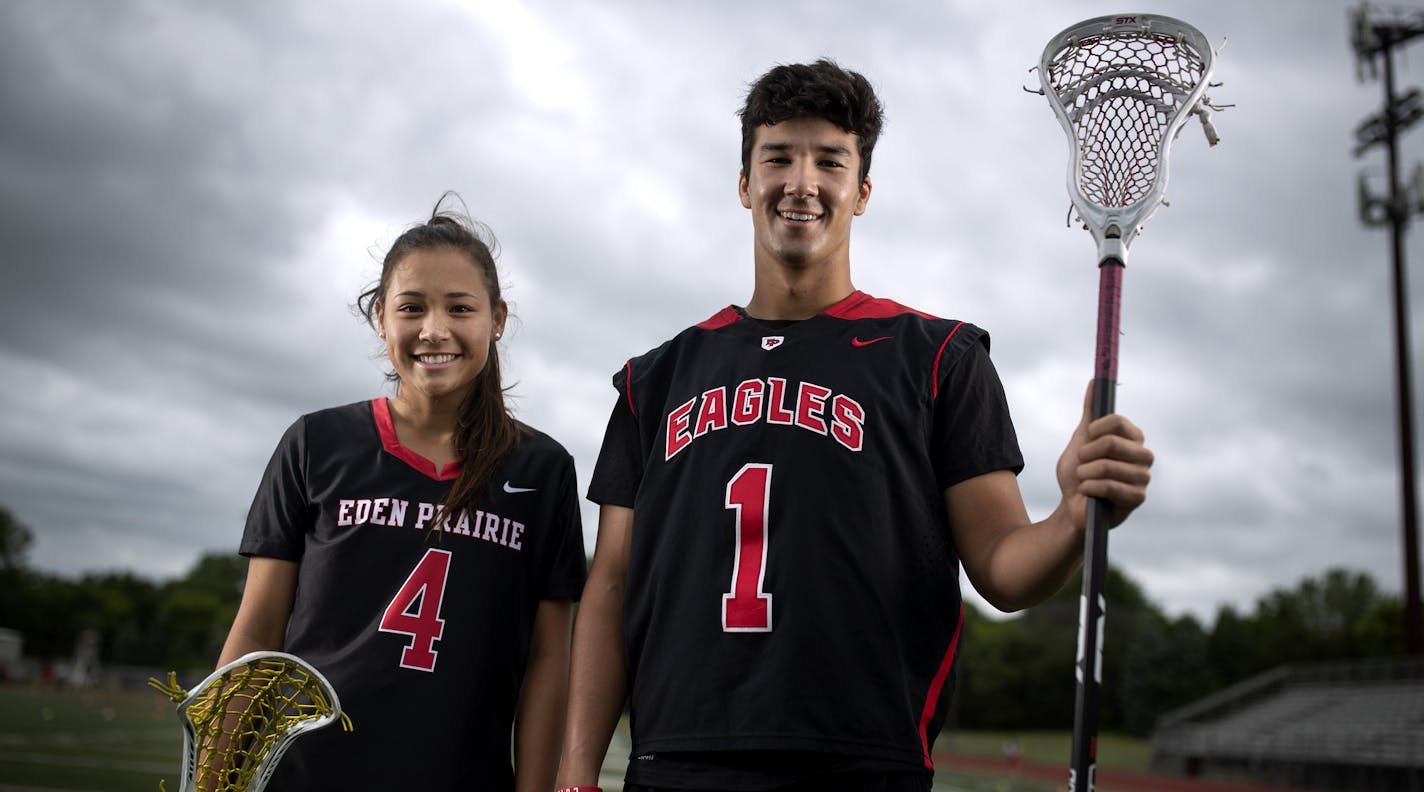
point(1092, 613)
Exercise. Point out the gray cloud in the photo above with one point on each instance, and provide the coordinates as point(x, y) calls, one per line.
point(192, 198)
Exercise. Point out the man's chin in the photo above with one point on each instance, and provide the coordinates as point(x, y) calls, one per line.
point(799, 255)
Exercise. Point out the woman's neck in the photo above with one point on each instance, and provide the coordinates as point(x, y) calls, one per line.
point(426, 426)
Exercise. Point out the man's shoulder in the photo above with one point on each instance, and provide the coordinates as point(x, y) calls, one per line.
point(720, 320)
point(864, 306)
point(889, 315)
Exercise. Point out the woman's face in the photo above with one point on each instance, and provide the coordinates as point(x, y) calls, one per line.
point(438, 323)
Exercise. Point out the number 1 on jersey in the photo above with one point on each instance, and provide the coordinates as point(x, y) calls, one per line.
point(747, 608)
point(423, 590)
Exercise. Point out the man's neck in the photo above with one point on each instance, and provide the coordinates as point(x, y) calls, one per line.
point(785, 293)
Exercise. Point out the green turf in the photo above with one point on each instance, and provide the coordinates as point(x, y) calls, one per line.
point(97, 740)
point(1115, 751)
point(128, 741)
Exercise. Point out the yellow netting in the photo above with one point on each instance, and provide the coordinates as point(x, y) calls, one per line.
point(243, 713)
point(1121, 92)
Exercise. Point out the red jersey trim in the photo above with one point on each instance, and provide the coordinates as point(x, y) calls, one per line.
point(381, 409)
point(720, 319)
point(936, 686)
point(860, 305)
point(934, 381)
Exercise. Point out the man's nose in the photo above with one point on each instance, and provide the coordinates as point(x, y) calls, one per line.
point(801, 180)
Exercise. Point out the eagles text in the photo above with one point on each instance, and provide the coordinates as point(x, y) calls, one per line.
point(775, 401)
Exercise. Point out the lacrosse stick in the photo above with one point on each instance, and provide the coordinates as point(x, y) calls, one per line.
point(1122, 87)
point(239, 721)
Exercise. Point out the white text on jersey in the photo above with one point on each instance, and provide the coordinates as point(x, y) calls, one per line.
point(806, 405)
point(482, 525)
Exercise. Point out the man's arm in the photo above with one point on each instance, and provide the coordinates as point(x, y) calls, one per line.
point(1015, 563)
point(598, 686)
point(539, 724)
point(261, 621)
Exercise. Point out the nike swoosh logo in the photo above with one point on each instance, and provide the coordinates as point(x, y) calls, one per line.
point(859, 343)
point(513, 490)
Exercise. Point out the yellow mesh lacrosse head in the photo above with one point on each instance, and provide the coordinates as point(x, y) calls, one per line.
point(1122, 87)
point(238, 722)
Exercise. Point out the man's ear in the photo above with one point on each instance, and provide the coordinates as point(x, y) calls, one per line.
point(744, 190)
point(864, 196)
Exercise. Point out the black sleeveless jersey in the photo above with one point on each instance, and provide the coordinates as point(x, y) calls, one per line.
point(793, 584)
point(421, 623)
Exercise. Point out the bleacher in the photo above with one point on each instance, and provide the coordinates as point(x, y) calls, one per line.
point(1339, 726)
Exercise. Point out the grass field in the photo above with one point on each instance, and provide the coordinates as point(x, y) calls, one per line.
point(130, 740)
point(1115, 751)
point(111, 741)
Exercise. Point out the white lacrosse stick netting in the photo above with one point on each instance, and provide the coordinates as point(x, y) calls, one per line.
point(1122, 87)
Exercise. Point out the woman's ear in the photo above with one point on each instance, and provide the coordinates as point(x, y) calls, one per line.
point(501, 313)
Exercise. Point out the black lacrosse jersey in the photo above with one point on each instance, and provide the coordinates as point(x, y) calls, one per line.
point(793, 585)
point(421, 622)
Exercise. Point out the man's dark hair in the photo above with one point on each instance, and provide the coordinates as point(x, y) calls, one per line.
point(818, 90)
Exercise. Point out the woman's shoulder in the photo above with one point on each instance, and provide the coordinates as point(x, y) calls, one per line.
point(536, 443)
point(355, 412)
point(353, 420)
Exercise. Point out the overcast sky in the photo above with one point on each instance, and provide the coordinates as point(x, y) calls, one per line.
point(192, 196)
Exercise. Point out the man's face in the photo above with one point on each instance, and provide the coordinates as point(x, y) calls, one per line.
point(803, 187)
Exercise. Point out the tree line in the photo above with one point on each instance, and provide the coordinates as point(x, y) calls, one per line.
point(1012, 674)
point(174, 624)
point(1019, 673)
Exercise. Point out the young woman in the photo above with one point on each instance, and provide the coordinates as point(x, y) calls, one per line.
point(422, 551)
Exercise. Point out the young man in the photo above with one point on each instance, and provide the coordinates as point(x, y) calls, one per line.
point(788, 491)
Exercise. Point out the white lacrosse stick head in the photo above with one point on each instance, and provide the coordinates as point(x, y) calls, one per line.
point(239, 721)
point(1122, 86)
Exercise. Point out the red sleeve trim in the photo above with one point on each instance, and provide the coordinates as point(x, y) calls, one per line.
point(936, 686)
point(628, 386)
point(386, 427)
point(934, 381)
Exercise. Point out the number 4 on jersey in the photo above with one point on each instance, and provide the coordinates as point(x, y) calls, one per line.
point(747, 608)
point(415, 610)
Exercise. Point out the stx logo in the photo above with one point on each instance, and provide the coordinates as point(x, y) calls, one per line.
point(1126, 20)
point(805, 405)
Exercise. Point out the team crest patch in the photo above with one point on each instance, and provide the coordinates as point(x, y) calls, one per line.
point(771, 342)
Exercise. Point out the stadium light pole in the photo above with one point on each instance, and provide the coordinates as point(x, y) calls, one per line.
point(1375, 35)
